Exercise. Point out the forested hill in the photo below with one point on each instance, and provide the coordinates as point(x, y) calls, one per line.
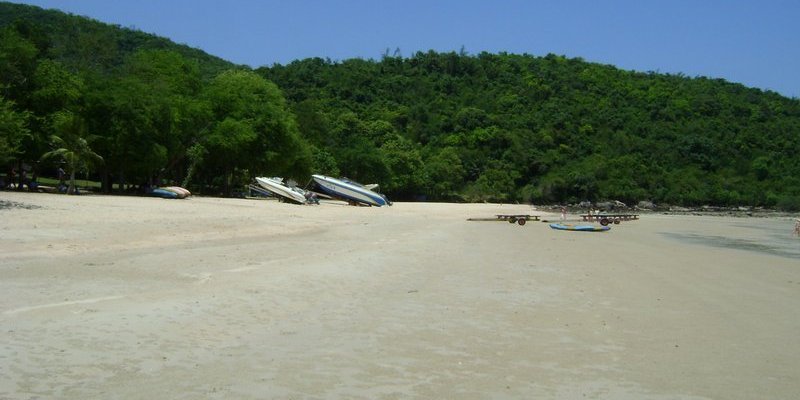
point(85, 44)
point(435, 126)
point(508, 127)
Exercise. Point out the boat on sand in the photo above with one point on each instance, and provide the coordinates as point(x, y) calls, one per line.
point(580, 228)
point(181, 192)
point(276, 186)
point(163, 193)
point(350, 191)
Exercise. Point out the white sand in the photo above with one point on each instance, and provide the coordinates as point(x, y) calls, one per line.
point(141, 298)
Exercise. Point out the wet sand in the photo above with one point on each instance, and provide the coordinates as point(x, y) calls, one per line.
point(125, 297)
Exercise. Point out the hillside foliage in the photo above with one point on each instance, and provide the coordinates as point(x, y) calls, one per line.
point(436, 126)
point(505, 127)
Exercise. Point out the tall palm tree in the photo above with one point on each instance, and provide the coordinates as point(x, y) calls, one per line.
point(71, 146)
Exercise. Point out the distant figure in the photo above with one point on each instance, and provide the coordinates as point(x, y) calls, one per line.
point(563, 213)
point(311, 197)
point(12, 178)
point(33, 184)
point(62, 178)
point(797, 227)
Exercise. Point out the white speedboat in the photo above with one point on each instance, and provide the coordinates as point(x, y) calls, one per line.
point(276, 186)
point(349, 191)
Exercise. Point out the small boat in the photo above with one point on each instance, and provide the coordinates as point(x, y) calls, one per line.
point(181, 192)
point(349, 190)
point(580, 228)
point(276, 186)
point(163, 193)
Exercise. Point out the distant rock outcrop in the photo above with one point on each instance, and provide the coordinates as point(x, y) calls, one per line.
point(646, 205)
point(611, 205)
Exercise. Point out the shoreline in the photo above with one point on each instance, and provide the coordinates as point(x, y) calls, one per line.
point(733, 211)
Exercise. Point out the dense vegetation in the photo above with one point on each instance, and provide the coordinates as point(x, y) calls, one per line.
point(441, 126)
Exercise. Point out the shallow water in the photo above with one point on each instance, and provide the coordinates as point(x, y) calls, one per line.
point(770, 236)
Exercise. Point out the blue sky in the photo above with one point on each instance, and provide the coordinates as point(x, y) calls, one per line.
point(756, 43)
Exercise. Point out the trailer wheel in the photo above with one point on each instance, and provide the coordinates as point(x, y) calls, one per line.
point(521, 221)
point(616, 222)
point(604, 221)
point(512, 220)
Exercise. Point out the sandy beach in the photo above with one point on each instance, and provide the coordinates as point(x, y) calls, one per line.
point(105, 297)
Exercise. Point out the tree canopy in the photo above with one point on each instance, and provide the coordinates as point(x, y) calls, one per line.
point(436, 126)
point(506, 127)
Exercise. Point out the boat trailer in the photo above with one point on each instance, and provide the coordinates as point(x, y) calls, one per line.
point(520, 219)
point(606, 219)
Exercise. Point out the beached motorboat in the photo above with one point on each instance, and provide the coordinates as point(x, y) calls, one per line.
point(580, 228)
point(374, 187)
point(350, 191)
point(276, 186)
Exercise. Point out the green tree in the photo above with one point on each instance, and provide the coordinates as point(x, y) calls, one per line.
point(149, 117)
point(255, 129)
point(71, 146)
point(406, 174)
point(17, 64)
point(54, 88)
point(13, 129)
point(495, 184)
point(445, 174)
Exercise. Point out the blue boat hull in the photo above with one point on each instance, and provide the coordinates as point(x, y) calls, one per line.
point(164, 194)
point(580, 228)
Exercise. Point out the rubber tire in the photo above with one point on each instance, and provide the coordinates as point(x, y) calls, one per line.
point(604, 222)
point(521, 221)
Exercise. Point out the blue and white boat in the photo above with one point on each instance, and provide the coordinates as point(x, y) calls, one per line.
point(350, 191)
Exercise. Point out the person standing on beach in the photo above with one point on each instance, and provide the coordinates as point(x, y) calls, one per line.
point(563, 213)
point(12, 178)
point(62, 178)
point(23, 179)
point(797, 227)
